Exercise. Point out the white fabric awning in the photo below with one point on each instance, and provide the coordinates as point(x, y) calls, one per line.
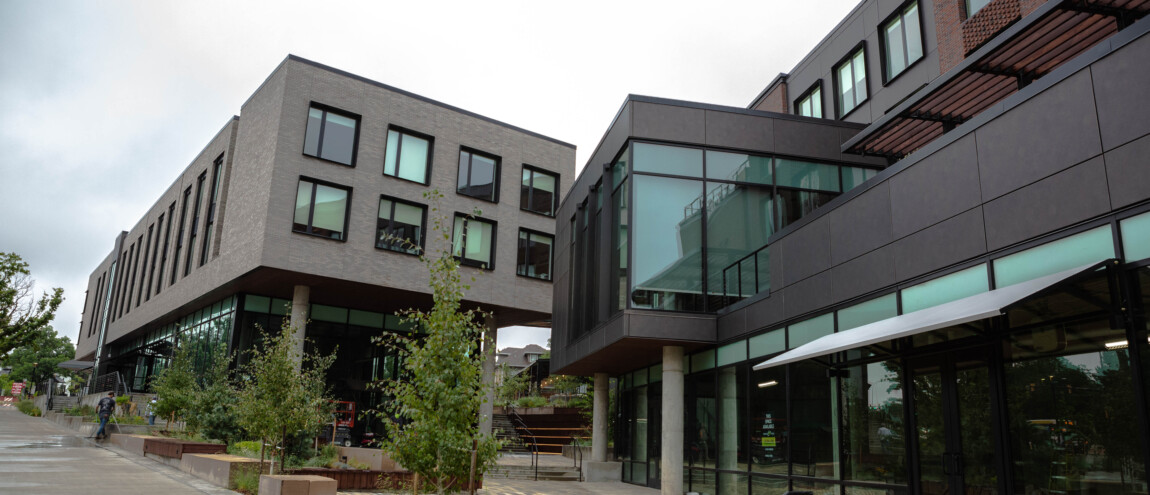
point(973, 308)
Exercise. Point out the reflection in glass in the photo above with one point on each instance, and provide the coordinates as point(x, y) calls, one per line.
point(806, 175)
point(473, 241)
point(738, 167)
point(732, 435)
point(769, 433)
point(534, 255)
point(667, 231)
point(945, 289)
point(812, 448)
point(399, 227)
point(738, 223)
point(671, 160)
point(872, 418)
point(701, 420)
point(1077, 250)
point(793, 205)
point(406, 156)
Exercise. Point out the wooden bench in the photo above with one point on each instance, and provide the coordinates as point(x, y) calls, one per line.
point(295, 484)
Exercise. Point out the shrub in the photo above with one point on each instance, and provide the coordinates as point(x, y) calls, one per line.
point(531, 401)
point(246, 481)
point(80, 410)
point(28, 407)
point(245, 449)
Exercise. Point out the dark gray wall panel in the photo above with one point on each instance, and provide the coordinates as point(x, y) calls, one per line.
point(673, 327)
point(666, 122)
point(809, 295)
point(808, 251)
point(615, 330)
point(1071, 196)
point(946, 243)
point(1128, 173)
point(767, 312)
point(732, 325)
point(1043, 136)
point(612, 141)
point(866, 273)
point(810, 139)
point(1121, 83)
point(936, 188)
point(862, 224)
point(732, 130)
point(778, 277)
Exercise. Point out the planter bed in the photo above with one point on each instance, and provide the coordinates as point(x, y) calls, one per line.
point(176, 448)
point(360, 479)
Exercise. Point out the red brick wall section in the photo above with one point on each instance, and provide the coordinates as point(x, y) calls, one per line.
point(1027, 6)
point(775, 101)
point(987, 22)
point(948, 27)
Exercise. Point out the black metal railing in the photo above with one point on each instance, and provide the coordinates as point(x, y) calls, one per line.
point(110, 382)
point(518, 424)
point(747, 276)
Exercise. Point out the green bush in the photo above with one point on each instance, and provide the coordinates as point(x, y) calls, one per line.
point(28, 407)
point(245, 449)
point(80, 410)
point(325, 458)
point(247, 480)
point(531, 401)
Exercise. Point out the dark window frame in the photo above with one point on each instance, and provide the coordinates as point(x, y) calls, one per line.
point(835, 82)
point(164, 251)
point(883, 55)
point(550, 261)
point(180, 235)
point(399, 152)
point(966, 13)
point(203, 177)
point(531, 191)
point(144, 264)
point(462, 257)
point(422, 228)
point(326, 109)
point(817, 86)
point(213, 197)
point(311, 210)
point(495, 179)
point(155, 255)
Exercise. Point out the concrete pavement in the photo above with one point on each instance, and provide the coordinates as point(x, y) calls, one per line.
point(40, 457)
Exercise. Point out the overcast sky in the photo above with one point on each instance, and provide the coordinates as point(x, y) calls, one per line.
point(102, 104)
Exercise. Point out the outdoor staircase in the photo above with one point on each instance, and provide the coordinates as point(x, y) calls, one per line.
point(505, 431)
point(546, 473)
point(62, 402)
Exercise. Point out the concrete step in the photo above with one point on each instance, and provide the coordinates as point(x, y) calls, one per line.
point(546, 473)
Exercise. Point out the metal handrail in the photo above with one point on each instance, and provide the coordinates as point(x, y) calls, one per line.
point(738, 276)
point(534, 443)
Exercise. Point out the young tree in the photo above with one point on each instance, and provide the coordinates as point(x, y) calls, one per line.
point(176, 386)
point(212, 411)
point(21, 314)
point(432, 420)
point(282, 392)
point(36, 360)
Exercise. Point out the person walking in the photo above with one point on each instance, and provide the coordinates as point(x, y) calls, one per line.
point(151, 411)
point(104, 410)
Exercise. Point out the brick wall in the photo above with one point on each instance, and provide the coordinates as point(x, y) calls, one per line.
point(987, 22)
point(958, 36)
point(948, 29)
point(776, 100)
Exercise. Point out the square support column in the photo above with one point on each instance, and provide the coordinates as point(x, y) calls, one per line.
point(299, 306)
point(599, 418)
point(671, 460)
point(487, 408)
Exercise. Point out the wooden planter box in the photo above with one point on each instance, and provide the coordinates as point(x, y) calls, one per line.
point(360, 479)
point(176, 448)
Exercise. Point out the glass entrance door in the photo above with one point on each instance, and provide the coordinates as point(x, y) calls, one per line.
point(953, 424)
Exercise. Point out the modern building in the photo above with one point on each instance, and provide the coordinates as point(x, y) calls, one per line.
point(312, 205)
point(918, 263)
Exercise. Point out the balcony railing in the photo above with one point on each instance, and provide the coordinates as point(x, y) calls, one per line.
point(746, 277)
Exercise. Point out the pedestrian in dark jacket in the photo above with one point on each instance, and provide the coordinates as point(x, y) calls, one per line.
point(104, 409)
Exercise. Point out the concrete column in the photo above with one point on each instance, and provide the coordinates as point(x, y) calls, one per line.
point(487, 409)
point(728, 430)
point(671, 462)
point(599, 418)
point(299, 307)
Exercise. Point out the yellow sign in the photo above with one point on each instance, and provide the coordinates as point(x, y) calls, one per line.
point(768, 441)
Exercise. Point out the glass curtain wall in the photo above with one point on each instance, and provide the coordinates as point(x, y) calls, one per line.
point(208, 330)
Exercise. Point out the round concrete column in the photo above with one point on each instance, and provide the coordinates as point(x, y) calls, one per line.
point(299, 306)
point(487, 408)
point(599, 418)
point(671, 462)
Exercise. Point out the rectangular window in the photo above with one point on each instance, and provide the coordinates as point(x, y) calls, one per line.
point(144, 264)
point(408, 155)
point(973, 6)
point(217, 173)
point(130, 271)
point(400, 226)
point(945, 289)
point(473, 242)
point(321, 209)
point(180, 234)
point(534, 254)
point(155, 255)
point(901, 41)
point(331, 134)
point(850, 81)
point(539, 191)
point(1136, 237)
point(810, 104)
point(164, 250)
point(478, 175)
point(195, 221)
point(1077, 250)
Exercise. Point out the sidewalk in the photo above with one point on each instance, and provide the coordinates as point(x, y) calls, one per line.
point(41, 457)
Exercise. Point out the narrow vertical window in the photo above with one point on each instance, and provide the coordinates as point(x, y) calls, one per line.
point(400, 226)
point(538, 192)
point(321, 209)
point(973, 6)
point(331, 135)
point(213, 196)
point(408, 155)
point(850, 81)
point(473, 242)
point(195, 221)
point(534, 258)
point(180, 234)
point(155, 255)
point(810, 104)
point(478, 175)
point(901, 41)
point(130, 274)
point(144, 265)
point(164, 250)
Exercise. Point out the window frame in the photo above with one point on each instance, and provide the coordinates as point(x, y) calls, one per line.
point(550, 261)
point(882, 43)
point(326, 109)
point(817, 86)
point(966, 13)
point(422, 227)
point(531, 188)
point(311, 210)
point(462, 257)
point(399, 152)
point(847, 59)
point(213, 198)
point(495, 180)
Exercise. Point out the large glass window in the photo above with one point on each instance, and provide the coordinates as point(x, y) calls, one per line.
point(1136, 237)
point(473, 241)
point(400, 225)
point(331, 134)
point(738, 223)
point(850, 82)
point(321, 209)
point(872, 423)
point(810, 330)
point(810, 104)
point(408, 155)
point(739, 167)
point(812, 436)
point(538, 191)
point(180, 233)
point(854, 176)
point(213, 196)
point(902, 41)
point(769, 421)
point(1077, 250)
point(668, 231)
point(478, 175)
point(806, 175)
point(945, 289)
point(732, 423)
point(534, 254)
point(671, 160)
point(868, 312)
point(195, 223)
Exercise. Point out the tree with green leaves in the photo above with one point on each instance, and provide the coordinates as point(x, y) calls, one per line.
point(22, 315)
point(212, 410)
point(432, 421)
point(176, 386)
point(36, 360)
point(282, 393)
